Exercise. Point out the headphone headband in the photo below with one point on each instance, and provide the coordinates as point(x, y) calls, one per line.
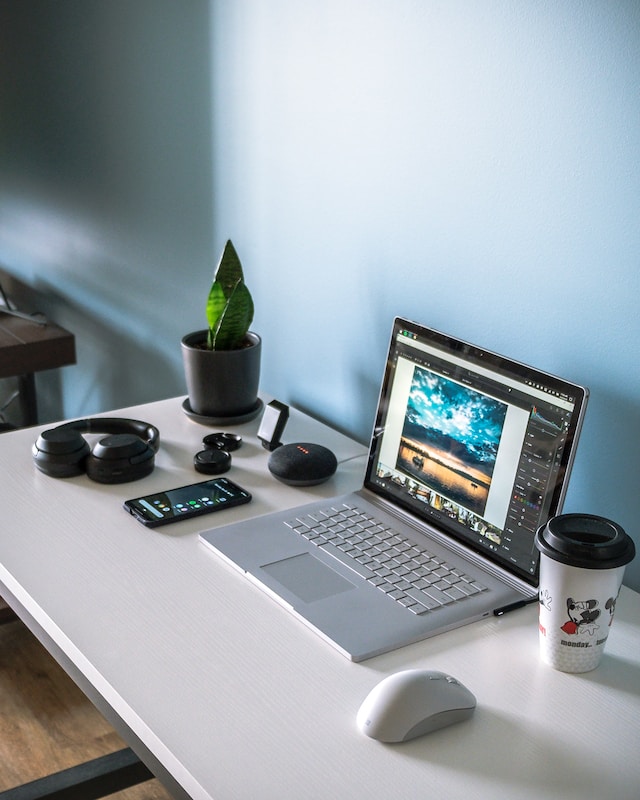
point(144, 430)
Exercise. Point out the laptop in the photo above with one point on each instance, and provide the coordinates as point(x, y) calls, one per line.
point(470, 453)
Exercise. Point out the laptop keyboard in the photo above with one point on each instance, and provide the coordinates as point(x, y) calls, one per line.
point(417, 579)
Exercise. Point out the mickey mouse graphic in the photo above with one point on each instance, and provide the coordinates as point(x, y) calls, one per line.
point(582, 616)
point(610, 605)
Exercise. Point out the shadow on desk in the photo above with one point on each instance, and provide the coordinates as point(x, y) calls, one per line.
point(615, 672)
point(510, 771)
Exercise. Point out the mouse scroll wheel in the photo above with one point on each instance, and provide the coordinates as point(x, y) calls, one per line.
point(449, 679)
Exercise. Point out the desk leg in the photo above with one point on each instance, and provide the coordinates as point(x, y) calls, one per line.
point(90, 781)
point(28, 401)
point(7, 614)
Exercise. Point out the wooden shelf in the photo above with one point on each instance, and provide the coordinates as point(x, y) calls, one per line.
point(26, 347)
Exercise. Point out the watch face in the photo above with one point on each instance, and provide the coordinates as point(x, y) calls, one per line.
point(273, 423)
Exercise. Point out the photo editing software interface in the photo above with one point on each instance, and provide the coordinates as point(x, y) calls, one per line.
point(476, 447)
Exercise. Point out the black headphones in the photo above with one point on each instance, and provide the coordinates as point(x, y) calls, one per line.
point(126, 454)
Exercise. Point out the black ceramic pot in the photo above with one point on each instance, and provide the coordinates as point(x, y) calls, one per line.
point(221, 383)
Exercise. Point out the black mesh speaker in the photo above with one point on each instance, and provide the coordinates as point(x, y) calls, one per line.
point(302, 464)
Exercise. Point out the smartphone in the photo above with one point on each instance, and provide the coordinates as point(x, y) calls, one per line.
point(187, 501)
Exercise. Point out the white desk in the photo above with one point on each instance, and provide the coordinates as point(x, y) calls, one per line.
point(225, 695)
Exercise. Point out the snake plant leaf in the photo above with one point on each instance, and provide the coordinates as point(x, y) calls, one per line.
point(229, 269)
point(229, 304)
point(234, 322)
point(216, 303)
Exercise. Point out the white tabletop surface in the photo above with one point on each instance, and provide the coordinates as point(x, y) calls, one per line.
point(225, 695)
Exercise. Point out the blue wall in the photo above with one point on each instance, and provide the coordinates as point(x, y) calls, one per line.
point(473, 165)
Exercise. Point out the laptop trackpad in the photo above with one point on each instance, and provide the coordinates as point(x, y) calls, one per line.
point(307, 577)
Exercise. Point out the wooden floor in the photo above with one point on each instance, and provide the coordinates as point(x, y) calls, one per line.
point(46, 722)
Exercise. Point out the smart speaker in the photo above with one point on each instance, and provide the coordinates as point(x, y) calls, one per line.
point(302, 464)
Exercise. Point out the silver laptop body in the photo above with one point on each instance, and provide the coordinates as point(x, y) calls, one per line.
point(470, 453)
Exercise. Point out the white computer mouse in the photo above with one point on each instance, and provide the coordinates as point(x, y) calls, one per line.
point(413, 702)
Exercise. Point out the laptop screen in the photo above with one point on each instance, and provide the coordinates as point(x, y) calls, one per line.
point(475, 444)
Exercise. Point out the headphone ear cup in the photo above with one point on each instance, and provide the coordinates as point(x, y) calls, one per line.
point(120, 458)
point(60, 453)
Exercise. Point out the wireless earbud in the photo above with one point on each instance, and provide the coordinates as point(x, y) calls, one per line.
point(126, 454)
point(215, 458)
point(212, 462)
point(222, 441)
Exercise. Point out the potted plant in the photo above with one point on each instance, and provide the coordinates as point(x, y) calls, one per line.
point(222, 361)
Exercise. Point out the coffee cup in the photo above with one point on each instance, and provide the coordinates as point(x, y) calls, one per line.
point(582, 563)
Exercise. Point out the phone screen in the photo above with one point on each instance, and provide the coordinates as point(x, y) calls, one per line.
point(187, 501)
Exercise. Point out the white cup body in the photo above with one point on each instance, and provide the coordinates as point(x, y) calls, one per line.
point(575, 613)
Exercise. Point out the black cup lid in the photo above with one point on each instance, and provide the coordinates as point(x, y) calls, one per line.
point(586, 541)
